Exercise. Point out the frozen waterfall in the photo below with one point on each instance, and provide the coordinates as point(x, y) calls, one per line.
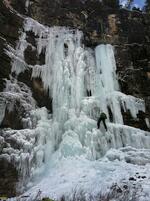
point(70, 71)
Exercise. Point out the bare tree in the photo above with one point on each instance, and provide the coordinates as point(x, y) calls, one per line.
point(129, 4)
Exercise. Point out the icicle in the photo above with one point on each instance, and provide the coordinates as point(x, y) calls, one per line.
point(19, 65)
point(27, 3)
point(147, 122)
point(2, 109)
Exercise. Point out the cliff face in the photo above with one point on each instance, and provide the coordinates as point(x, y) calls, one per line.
point(129, 32)
point(102, 23)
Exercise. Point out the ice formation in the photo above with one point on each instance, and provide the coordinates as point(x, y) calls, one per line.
point(27, 3)
point(69, 135)
point(2, 109)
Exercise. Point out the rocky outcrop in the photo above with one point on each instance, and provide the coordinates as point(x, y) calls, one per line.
point(9, 33)
point(8, 179)
point(10, 23)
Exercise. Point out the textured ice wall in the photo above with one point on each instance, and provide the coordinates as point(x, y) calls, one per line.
point(70, 70)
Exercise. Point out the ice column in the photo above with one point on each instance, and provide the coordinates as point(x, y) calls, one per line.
point(107, 87)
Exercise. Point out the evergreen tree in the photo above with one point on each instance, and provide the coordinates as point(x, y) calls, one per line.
point(111, 3)
point(147, 6)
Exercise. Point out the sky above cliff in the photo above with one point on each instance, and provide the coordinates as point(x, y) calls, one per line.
point(137, 3)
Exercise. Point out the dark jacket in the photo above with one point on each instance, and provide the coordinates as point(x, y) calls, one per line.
point(103, 116)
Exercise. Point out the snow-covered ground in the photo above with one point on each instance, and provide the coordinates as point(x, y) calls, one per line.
point(77, 178)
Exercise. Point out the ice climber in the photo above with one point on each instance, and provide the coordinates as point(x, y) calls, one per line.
point(102, 118)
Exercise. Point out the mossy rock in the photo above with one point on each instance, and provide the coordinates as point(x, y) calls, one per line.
point(47, 199)
point(3, 198)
